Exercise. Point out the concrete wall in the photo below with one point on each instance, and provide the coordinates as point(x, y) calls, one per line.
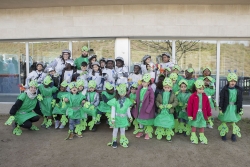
point(126, 21)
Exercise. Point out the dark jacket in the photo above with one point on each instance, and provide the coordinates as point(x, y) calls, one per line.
point(224, 98)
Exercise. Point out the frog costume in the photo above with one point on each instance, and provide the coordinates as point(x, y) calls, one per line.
point(119, 116)
point(233, 111)
point(164, 121)
point(47, 102)
point(132, 96)
point(24, 111)
point(103, 106)
point(74, 111)
point(59, 109)
point(202, 77)
point(79, 60)
point(181, 109)
point(178, 76)
point(191, 81)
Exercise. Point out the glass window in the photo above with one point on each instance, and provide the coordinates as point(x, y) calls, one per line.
point(235, 56)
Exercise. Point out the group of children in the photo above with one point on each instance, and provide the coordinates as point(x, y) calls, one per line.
point(154, 99)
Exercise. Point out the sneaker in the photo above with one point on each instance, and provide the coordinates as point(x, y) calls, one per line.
point(57, 123)
point(71, 135)
point(209, 126)
point(233, 138)
point(80, 136)
point(138, 135)
point(61, 126)
point(114, 144)
point(146, 137)
point(111, 127)
point(224, 138)
point(94, 128)
point(98, 123)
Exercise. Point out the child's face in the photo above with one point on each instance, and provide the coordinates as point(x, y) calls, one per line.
point(206, 72)
point(175, 71)
point(80, 88)
point(161, 79)
point(91, 89)
point(206, 82)
point(103, 64)
point(232, 83)
point(39, 67)
point(83, 68)
point(52, 72)
point(68, 66)
point(62, 89)
point(32, 89)
point(133, 90)
point(95, 68)
point(110, 65)
point(136, 69)
point(145, 84)
point(148, 60)
point(165, 59)
point(110, 91)
point(166, 72)
point(74, 90)
point(167, 88)
point(65, 56)
point(174, 81)
point(183, 87)
point(188, 75)
point(93, 60)
point(148, 67)
point(200, 90)
point(118, 63)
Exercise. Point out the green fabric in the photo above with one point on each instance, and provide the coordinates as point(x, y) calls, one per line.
point(79, 60)
point(167, 81)
point(146, 122)
point(10, 120)
point(210, 92)
point(45, 104)
point(181, 108)
point(75, 110)
point(230, 115)
point(104, 107)
point(160, 132)
point(199, 122)
point(25, 111)
point(176, 87)
point(179, 79)
point(17, 131)
point(122, 89)
point(132, 97)
point(223, 129)
point(58, 109)
point(121, 121)
point(236, 130)
point(194, 138)
point(164, 119)
point(203, 138)
point(92, 96)
point(200, 100)
point(199, 83)
point(190, 84)
point(169, 133)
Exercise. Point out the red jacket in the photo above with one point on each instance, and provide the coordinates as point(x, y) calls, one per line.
point(193, 106)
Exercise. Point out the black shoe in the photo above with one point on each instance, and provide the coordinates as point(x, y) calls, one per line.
point(94, 128)
point(233, 138)
point(114, 144)
point(224, 138)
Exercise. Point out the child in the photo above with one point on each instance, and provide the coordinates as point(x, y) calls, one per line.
point(47, 102)
point(166, 63)
point(22, 111)
point(147, 60)
point(210, 91)
point(144, 111)
point(82, 74)
point(166, 101)
point(102, 63)
point(121, 71)
point(81, 88)
point(183, 96)
point(109, 72)
point(74, 110)
point(55, 77)
point(38, 75)
point(59, 111)
point(199, 112)
point(132, 93)
point(90, 106)
point(92, 59)
point(151, 71)
point(206, 72)
point(120, 113)
point(176, 69)
point(106, 96)
point(68, 71)
point(82, 58)
point(189, 78)
point(96, 75)
point(230, 107)
point(136, 76)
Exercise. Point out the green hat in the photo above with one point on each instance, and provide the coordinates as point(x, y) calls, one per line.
point(80, 82)
point(209, 78)
point(146, 77)
point(199, 83)
point(182, 81)
point(122, 89)
point(207, 68)
point(168, 69)
point(85, 48)
point(47, 80)
point(72, 85)
point(190, 70)
point(33, 83)
point(64, 84)
point(173, 76)
point(177, 67)
point(92, 84)
point(232, 76)
point(134, 85)
point(108, 86)
point(167, 81)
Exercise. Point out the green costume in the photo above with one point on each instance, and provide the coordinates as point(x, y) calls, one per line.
point(132, 97)
point(79, 60)
point(74, 110)
point(181, 108)
point(121, 118)
point(104, 107)
point(190, 84)
point(58, 109)
point(47, 98)
point(210, 92)
point(91, 109)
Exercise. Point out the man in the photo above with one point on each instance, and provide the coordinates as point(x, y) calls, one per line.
point(82, 58)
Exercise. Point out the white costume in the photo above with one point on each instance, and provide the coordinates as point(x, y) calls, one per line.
point(98, 79)
point(35, 75)
point(122, 75)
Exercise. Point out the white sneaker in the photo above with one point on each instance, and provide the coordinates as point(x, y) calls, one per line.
point(209, 126)
point(57, 124)
point(61, 126)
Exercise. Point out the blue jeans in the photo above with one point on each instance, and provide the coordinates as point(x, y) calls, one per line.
point(73, 123)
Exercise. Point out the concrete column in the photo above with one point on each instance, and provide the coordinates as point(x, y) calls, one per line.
point(173, 52)
point(217, 73)
point(122, 49)
point(27, 58)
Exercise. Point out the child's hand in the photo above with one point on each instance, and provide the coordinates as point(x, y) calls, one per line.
point(66, 100)
point(161, 106)
point(169, 106)
point(220, 113)
point(131, 120)
point(190, 118)
point(180, 104)
point(241, 112)
point(83, 101)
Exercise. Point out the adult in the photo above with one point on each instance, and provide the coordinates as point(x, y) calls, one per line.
point(82, 58)
point(166, 63)
point(37, 75)
point(59, 63)
point(22, 111)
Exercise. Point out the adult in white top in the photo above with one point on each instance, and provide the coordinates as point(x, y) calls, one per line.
point(37, 75)
point(166, 61)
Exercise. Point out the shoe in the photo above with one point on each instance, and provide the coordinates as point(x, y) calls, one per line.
point(138, 135)
point(80, 136)
point(111, 127)
point(224, 138)
point(146, 137)
point(169, 141)
point(94, 128)
point(233, 138)
point(98, 123)
point(71, 135)
point(57, 123)
point(61, 126)
point(114, 144)
point(209, 126)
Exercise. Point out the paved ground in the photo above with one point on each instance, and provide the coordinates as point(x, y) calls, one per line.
point(47, 148)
